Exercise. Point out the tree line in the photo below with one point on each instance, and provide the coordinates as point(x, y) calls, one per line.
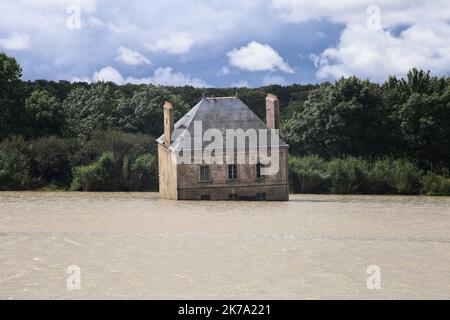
point(100, 136)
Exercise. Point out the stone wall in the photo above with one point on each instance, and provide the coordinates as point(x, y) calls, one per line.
point(219, 187)
point(167, 173)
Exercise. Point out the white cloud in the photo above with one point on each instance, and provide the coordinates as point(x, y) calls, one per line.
point(224, 71)
point(108, 74)
point(257, 57)
point(376, 53)
point(161, 76)
point(166, 76)
point(175, 43)
point(16, 41)
point(131, 57)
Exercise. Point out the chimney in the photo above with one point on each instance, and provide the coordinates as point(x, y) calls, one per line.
point(168, 123)
point(272, 111)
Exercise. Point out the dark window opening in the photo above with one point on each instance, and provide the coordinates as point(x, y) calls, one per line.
point(260, 196)
point(205, 197)
point(258, 170)
point(232, 171)
point(233, 196)
point(204, 173)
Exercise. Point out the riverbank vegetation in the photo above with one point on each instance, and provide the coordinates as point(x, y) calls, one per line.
point(350, 136)
point(312, 174)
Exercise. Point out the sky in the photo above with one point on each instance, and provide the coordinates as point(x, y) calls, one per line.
point(225, 43)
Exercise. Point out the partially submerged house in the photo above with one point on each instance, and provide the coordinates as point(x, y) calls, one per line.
point(187, 173)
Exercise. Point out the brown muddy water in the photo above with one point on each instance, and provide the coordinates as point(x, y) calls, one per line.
point(134, 245)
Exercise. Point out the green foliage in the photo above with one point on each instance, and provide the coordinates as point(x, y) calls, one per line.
point(144, 173)
point(338, 120)
point(406, 177)
point(347, 175)
point(98, 176)
point(312, 174)
point(355, 127)
point(91, 109)
point(11, 107)
point(51, 159)
point(15, 165)
point(307, 174)
point(121, 144)
point(143, 112)
point(381, 177)
point(104, 174)
point(435, 185)
point(44, 114)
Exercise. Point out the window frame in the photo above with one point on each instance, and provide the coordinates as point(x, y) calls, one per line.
point(232, 172)
point(202, 176)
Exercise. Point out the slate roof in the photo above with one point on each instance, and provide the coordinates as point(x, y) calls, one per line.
point(219, 113)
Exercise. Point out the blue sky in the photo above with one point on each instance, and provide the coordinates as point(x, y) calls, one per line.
point(225, 43)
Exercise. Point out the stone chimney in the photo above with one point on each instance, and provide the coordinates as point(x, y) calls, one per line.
point(168, 123)
point(272, 112)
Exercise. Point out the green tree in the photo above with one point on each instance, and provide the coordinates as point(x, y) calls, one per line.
point(143, 112)
point(44, 114)
point(345, 118)
point(15, 165)
point(93, 108)
point(11, 107)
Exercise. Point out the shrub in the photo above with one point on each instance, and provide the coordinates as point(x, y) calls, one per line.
point(121, 144)
point(15, 166)
point(381, 178)
point(307, 174)
point(99, 176)
point(435, 185)
point(406, 177)
point(347, 175)
point(51, 159)
point(144, 173)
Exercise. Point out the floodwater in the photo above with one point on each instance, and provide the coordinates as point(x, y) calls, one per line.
point(134, 245)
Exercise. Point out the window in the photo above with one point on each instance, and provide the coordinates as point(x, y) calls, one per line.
point(233, 196)
point(258, 170)
point(232, 172)
point(205, 197)
point(204, 173)
point(261, 196)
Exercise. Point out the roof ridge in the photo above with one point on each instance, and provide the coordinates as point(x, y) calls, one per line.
point(230, 97)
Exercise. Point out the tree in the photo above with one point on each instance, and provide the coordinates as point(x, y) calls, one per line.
point(90, 109)
point(420, 116)
point(10, 104)
point(44, 114)
point(345, 118)
point(144, 111)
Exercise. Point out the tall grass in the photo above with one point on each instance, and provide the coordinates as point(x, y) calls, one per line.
point(104, 174)
point(98, 176)
point(435, 185)
point(312, 174)
point(347, 175)
point(307, 174)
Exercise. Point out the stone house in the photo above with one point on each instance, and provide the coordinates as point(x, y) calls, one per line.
point(198, 179)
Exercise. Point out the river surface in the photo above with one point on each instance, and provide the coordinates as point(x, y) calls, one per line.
point(134, 245)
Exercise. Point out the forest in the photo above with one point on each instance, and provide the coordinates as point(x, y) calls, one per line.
point(350, 136)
